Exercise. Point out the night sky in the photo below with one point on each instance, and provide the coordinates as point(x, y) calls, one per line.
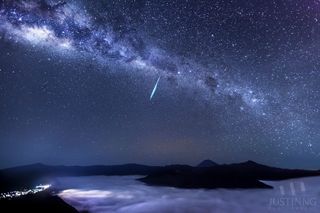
point(237, 80)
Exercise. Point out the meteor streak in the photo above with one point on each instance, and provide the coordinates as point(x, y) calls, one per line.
point(154, 89)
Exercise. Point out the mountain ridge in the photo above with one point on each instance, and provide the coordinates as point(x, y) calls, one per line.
point(210, 175)
point(207, 163)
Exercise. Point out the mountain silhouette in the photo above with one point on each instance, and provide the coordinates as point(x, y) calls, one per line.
point(206, 175)
point(238, 175)
point(207, 163)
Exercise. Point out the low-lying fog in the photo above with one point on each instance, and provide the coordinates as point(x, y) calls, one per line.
point(99, 194)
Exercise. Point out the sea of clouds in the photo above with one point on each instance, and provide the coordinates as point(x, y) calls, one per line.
point(103, 194)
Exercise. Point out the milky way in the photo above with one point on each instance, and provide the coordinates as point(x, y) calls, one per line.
point(66, 27)
point(280, 101)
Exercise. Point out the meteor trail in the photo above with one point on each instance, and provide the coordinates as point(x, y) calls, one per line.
point(154, 89)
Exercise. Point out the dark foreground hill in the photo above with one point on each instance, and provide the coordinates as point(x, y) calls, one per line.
point(36, 203)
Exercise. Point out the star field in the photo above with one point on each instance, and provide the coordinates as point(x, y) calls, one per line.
point(239, 81)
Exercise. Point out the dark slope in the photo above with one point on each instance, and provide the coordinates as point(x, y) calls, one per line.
point(36, 203)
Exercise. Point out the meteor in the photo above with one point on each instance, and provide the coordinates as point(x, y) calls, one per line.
point(154, 89)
